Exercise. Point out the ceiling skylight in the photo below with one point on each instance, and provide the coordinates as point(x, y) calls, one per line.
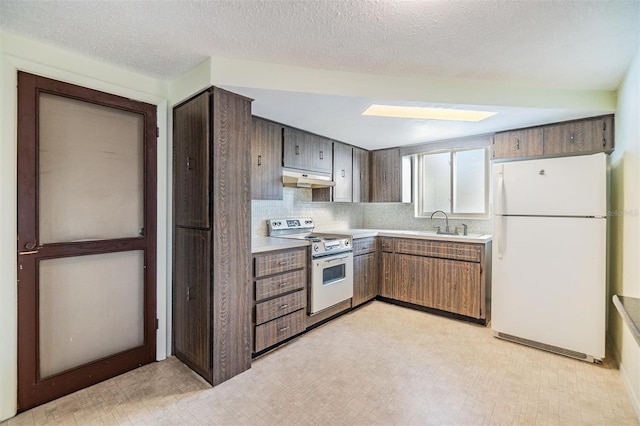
point(427, 113)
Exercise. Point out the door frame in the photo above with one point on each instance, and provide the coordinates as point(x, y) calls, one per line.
point(112, 80)
point(33, 389)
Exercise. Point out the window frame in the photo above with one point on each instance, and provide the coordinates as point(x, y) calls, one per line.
point(419, 179)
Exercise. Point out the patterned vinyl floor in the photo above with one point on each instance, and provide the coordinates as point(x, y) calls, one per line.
point(379, 365)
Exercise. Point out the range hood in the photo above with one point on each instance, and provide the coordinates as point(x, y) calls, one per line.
point(297, 179)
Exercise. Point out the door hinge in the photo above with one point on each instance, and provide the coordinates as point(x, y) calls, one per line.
point(157, 324)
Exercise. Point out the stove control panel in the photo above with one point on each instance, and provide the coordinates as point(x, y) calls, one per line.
point(291, 224)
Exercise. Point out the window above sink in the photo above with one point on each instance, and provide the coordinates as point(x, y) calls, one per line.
point(455, 181)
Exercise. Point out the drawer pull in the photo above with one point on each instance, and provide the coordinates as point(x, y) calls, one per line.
point(283, 284)
point(285, 306)
point(283, 329)
point(283, 262)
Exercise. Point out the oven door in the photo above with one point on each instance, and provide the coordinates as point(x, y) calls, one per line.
point(331, 281)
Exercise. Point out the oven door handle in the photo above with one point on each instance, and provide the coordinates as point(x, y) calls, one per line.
point(337, 258)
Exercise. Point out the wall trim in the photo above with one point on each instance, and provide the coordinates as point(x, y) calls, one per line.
point(633, 398)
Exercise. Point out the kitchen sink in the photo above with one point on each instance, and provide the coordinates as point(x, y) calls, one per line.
point(433, 234)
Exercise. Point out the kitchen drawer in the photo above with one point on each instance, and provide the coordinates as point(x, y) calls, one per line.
point(283, 305)
point(386, 244)
point(364, 245)
point(444, 250)
point(280, 284)
point(268, 264)
point(272, 332)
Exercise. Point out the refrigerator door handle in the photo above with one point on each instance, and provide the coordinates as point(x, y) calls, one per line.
point(500, 196)
point(499, 209)
point(499, 236)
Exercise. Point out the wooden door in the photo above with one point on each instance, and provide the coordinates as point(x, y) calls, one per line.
point(458, 287)
point(581, 136)
point(386, 184)
point(360, 175)
point(342, 172)
point(191, 164)
point(297, 152)
point(387, 275)
point(86, 237)
point(321, 153)
point(192, 299)
point(518, 143)
point(416, 275)
point(266, 160)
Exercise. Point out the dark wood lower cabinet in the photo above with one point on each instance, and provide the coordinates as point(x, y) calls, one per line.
point(365, 270)
point(448, 276)
point(191, 299)
point(280, 296)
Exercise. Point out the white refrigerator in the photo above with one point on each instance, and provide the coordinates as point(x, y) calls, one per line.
point(549, 254)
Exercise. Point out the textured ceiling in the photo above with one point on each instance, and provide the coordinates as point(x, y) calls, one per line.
point(582, 45)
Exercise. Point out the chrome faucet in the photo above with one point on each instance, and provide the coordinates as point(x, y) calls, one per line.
point(447, 231)
point(446, 221)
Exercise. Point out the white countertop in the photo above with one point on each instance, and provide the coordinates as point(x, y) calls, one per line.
point(263, 244)
point(422, 235)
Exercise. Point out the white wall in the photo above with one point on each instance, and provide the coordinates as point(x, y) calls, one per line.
point(624, 270)
point(17, 53)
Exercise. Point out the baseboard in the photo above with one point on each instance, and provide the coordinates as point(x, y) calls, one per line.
point(635, 402)
point(633, 398)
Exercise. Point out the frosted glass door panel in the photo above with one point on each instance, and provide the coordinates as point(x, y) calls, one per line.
point(90, 171)
point(90, 307)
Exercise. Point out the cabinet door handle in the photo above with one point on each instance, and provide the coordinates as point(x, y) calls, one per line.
point(517, 143)
point(343, 173)
point(571, 139)
point(321, 155)
point(283, 284)
point(283, 262)
point(604, 136)
point(189, 293)
point(189, 163)
point(297, 149)
point(283, 329)
point(259, 160)
point(285, 306)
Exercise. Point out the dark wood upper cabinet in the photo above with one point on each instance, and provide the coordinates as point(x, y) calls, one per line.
point(266, 160)
point(360, 175)
point(518, 143)
point(306, 151)
point(585, 136)
point(212, 245)
point(342, 172)
point(386, 179)
point(581, 136)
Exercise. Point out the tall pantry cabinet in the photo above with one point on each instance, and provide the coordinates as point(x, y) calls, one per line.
point(211, 239)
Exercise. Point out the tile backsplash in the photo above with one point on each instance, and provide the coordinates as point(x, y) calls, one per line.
point(401, 216)
point(297, 202)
